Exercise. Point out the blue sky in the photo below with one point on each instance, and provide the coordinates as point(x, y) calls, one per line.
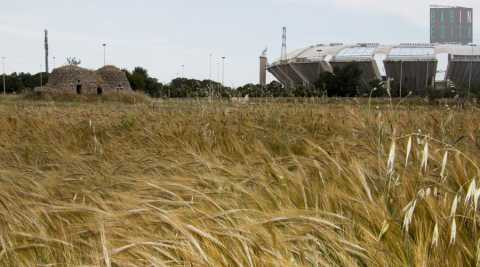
point(163, 35)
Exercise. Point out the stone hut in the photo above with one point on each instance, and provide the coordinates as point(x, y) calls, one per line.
point(65, 79)
point(113, 79)
point(77, 80)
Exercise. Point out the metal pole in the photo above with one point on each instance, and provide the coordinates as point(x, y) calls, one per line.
point(3, 71)
point(210, 68)
point(401, 78)
point(428, 76)
point(223, 71)
point(104, 54)
point(210, 77)
point(41, 78)
point(470, 75)
point(218, 71)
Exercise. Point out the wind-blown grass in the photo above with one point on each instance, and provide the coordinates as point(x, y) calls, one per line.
point(274, 184)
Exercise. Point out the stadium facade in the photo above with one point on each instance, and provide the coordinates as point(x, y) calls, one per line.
point(409, 67)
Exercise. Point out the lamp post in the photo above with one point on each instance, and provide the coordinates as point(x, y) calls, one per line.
point(210, 67)
point(401, 77)
point(3, 76)
point(104, 54)
point(218, 71)
point(41, 77)
point(210, 77)
point(471, 70)
point(223, 71)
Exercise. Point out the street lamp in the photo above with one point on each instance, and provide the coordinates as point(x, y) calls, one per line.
point(3, 70)
point(210, 67)
point(223, 71)
point(104, 54)
point(218, 71)
point(401, 78)
point(41, 77)
point(471, 70)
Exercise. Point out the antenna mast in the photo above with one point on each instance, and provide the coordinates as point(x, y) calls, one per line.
point(46, 51)
point(284, 44)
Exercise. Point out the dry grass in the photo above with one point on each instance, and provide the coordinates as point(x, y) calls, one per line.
point(196, 184)
point(120, 97)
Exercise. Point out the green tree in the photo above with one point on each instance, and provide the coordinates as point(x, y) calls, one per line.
point(343, 82)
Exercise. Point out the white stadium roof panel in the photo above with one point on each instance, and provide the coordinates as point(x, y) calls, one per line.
point(412, 52)
point(356, 52)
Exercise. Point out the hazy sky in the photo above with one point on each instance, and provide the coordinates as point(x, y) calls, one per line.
point(163, 35)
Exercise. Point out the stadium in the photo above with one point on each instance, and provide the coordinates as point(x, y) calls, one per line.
point(409, 67)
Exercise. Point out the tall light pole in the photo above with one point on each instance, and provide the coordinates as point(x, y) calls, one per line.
point(3, 76)
point(104, 54)
point(218, 71)
point(210, 67)
point(223, 71)
point(41, 76)
point(471, 70)
point(401, 77)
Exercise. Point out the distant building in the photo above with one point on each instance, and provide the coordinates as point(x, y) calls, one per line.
point(451, 25)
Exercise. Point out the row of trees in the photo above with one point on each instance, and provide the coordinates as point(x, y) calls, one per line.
point(21, 82)
point(342, 82)
point(140, 80)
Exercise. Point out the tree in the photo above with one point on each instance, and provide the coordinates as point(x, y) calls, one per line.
point(343, 82)
point(73, 61)
point(138, 79)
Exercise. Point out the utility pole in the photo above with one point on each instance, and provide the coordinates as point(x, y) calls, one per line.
point(223, 71)
point(46, 52)
point(104, 54)
point(3, 70)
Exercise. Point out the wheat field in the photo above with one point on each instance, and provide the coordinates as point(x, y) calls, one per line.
point(193, 183)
